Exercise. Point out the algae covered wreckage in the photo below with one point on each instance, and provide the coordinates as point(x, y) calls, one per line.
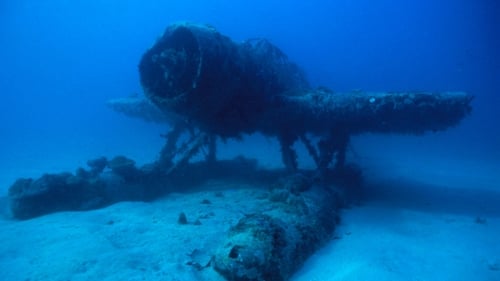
point(207, 87)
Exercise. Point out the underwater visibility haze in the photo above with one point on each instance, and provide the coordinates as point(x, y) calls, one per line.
point(426, 205)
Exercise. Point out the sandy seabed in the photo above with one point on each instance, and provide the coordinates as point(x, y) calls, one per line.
point(394, 235)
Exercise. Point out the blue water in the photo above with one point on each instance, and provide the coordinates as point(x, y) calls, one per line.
point(62, 60)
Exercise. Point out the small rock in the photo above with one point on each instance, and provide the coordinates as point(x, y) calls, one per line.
point(493, 265)
point(182, 218)
point(480, 220)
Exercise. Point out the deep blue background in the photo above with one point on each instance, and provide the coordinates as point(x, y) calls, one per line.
point(61, 60)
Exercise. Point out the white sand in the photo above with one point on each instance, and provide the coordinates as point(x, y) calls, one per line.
point(126, 241)
point(380, 241)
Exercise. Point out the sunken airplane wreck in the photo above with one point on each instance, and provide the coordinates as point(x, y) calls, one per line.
point(207, 87)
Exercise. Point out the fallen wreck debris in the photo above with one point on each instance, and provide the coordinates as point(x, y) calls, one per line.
point(273, 244)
